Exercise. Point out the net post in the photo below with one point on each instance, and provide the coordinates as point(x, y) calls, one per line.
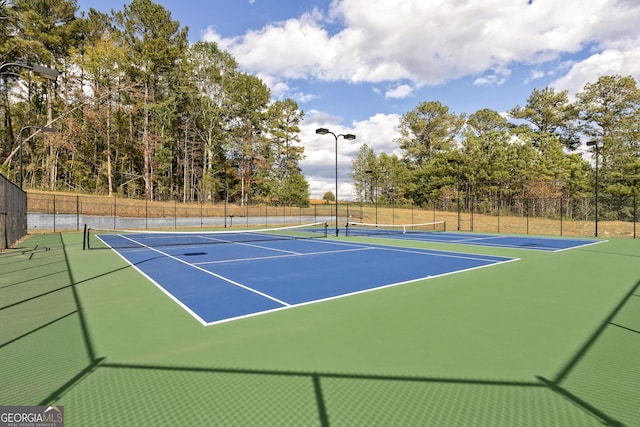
point(444, 225)
point(84, 238)
point(326, 229)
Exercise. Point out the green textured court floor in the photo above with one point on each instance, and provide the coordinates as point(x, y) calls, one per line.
point(550, 340)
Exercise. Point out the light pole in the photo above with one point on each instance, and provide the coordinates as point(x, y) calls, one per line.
point(47, 73)
point(596, 147)
point(39, 129)
point(347, 136)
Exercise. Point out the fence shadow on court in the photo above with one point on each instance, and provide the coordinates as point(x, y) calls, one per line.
point(43, 341)
point(48, 357)
point(603, 374)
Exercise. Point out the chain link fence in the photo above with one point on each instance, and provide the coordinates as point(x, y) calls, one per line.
point(616, 216)
point(13, 213)
point(70, 212)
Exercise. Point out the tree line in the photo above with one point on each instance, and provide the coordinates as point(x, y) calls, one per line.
point(138, 111)
point(550, 148)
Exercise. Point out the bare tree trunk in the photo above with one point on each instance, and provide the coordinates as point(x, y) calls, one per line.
point(147, 173)
point(109, 171)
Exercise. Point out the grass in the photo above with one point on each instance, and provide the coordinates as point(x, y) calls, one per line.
point(551, 339)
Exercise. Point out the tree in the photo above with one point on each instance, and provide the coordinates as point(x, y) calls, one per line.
point(609, 114)
point(101, 60)
point(383, 178)
point(247, 147)
point(426, 130)
point(155, 44)
point(329, 197)
point(549, 113)
point(482, 165)
point(283, 128)
point(213, 71)
point(364, 171)
point(294, 191)
point(41, 32)
point(393, 176)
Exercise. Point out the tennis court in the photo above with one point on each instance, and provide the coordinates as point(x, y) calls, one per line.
point(221, 276)
point(436, 232)
point(548, 340)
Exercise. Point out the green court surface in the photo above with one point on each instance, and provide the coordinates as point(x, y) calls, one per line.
point(549, 340)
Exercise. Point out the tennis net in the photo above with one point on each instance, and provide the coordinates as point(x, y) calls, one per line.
point(120, 239)
point(364, 229)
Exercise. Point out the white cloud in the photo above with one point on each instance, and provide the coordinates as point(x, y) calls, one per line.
point(429, 42)
point(535, 74)
point(303, 97)
point(622, 58)
point(378, 132)
point(289, 49)
point(399, 92)
point(278, 89)
point(409, 44)
point(490, 80)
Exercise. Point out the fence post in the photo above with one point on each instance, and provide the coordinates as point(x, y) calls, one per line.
point(526, 209)
point(635, 208)
point(499, 205)
point(474, 202)
point(561, 213)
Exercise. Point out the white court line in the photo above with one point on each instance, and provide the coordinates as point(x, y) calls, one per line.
point(426, 238)
point(335, 297)
point(291, 255)
point(214, 274)
point(473, 239)
point(435, 252)
point(534, 247)
point(451, 255)
point(354, 247)
point(581, 246)
point(157, 285)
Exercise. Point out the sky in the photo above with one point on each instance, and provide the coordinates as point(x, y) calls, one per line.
point(356, 66)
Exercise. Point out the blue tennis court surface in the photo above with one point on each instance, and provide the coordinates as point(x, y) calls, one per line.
point(549, 244)
point(222, 282)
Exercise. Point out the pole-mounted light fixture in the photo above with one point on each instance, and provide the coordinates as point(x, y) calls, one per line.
point(347, 136)
point(596, 147)
point(41, 70)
